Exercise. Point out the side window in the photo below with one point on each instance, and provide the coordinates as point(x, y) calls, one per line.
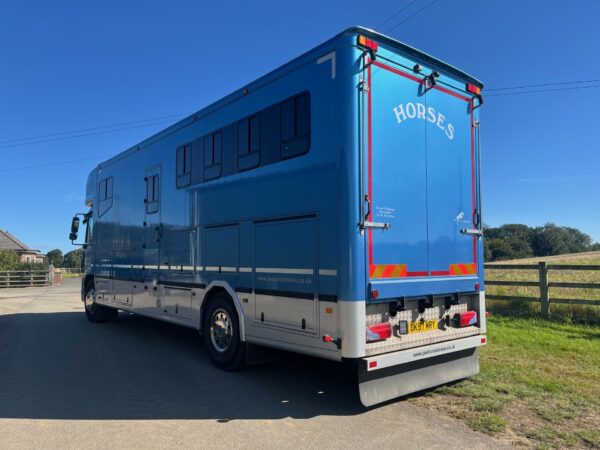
point(105, 195)
point(294, 119)
point(212, 155)
point(152, 193)
point(89, 230)
point(184, 166)
point(248, 143)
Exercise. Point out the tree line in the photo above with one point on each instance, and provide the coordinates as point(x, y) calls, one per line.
point(515, 241)
point(9, 260)
point(70, 260)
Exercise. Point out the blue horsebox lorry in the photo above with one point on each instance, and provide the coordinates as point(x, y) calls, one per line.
point(331, 207)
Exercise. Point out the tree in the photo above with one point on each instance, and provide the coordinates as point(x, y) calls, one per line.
point(510, 241)
point(9, 260)
point(551, 239)
point(55, 257)
point(73, 259)
point(514, 241)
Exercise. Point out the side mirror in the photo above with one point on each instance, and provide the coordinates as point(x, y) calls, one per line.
point(74, 228)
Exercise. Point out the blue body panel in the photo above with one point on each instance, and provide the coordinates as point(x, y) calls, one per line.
point(292, 224)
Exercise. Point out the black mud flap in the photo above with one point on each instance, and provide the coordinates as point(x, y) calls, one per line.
point(377, 386)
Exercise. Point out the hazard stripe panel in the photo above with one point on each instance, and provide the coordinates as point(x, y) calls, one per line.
point(388, 271)
point(400, 271)
point(463, 269)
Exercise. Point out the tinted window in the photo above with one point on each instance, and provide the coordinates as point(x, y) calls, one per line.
point(184, 166)
point(212, 155)
point(152, 193)
point(249, 137)
point(105, 195)
point(295, 126)
point(281, 131)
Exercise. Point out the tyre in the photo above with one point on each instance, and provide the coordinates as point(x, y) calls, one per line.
point(93, 311)
point(221, 334)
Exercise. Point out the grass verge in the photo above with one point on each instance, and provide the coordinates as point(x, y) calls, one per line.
point(539, 385)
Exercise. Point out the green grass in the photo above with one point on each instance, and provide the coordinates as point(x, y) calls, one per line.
point(71, 275)
point(539, 381)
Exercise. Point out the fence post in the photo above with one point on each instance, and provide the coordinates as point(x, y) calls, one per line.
point(544, 297)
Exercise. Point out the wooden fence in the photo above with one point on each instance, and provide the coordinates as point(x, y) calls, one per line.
point(70, 269)
point(26, 278)
point(544, 285)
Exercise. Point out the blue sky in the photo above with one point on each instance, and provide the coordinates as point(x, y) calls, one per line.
point(70, 65)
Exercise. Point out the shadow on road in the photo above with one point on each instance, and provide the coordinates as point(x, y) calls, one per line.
point(59, 366)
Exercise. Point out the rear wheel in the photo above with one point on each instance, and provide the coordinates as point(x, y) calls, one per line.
point(221, 334)
point(95, 312)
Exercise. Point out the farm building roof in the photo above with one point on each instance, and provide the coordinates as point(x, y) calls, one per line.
point(9, 242)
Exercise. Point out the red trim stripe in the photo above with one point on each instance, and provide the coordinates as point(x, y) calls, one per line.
point(370, 137)
point(373, 267)
point(437, 273)
point(473, 182)
point(417, 274)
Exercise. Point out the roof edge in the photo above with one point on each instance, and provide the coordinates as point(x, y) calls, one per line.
point(405, 48)
point(265, 78)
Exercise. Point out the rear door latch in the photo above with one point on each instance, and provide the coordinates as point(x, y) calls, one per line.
point(472, 232)
point(383, 225)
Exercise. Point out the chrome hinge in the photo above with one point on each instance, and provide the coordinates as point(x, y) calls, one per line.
point(383, 225)
point(363, 86)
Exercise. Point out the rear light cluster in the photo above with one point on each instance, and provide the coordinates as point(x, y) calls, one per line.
point(465, 319)
point(473, 89)
point(368, 43)
point(379, 332)
point(382, 331)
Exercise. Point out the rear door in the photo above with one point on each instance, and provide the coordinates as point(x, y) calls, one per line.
point(420, 181)
point(397, 176)
point(450, 183)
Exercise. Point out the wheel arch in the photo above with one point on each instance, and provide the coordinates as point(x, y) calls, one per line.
point(88, 279)
point(223, 287)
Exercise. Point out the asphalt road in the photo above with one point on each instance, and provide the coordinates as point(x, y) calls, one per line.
point(134, 382)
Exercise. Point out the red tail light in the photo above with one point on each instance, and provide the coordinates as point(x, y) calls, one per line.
point(369, 43)
point(465, 319)
point(473, 89)
point(379, 332)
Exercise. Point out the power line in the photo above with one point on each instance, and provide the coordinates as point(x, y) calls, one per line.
point(534, 91)
point(543, 84)
point(419, 11)
point(61, 138)
point(396, 13)
point(57, 163)
point(90, 129)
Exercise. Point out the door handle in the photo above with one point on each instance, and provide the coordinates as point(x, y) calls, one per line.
point(383, 225)
point(158, 231)
point(471, 232)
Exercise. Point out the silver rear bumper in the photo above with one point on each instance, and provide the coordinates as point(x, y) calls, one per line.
point(392, 375)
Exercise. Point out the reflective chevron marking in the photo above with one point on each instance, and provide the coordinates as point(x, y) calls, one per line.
point(463, 269)
point(387, 271)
